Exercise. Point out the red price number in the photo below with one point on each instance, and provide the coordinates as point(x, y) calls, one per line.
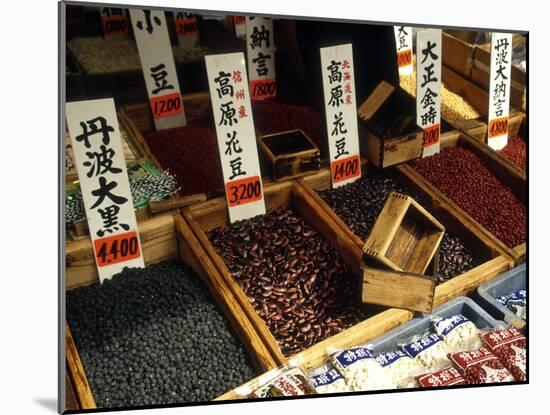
point(166, 105)
point(118, 248)
point(263, 88)
point(345, 169)
point(187, 27)
point(244, 191)
point(115, 25)
point(431, 135)
point(240, 20)
point(498, 126)
point(404, 58)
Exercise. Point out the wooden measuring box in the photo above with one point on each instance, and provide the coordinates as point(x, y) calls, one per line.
point(289, 154)
point(405, 239)
point(388, 133)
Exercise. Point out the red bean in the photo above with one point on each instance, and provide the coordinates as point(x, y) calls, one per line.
point(191, 154)
point(462, 176)
point(516, 152)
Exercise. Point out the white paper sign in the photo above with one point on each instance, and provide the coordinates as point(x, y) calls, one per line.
point(428, 87)
point(240, 27)
point(260, 49)
point(187, 29)
point(115, 23)
point(499, 90)
point(341, 113)
point(99, 158)
point(403, 45)
point(236, 135)
point(159, 70)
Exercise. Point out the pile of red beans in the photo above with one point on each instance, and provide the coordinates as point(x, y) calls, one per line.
point(191, 154)
point(516, 152)
point(462, 176)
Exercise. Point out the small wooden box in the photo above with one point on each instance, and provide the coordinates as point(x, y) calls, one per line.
point(404, 290)
point(388, 133)
point(405, 237)
point(289, 154)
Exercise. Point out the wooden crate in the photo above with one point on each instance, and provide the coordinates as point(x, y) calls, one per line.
point(388, 133)
point(289, 154)
point(495, 260)
point(458, 53)
point(205, 216)
point(513, 177)
point(168, 238)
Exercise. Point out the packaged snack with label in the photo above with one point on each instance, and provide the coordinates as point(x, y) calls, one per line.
point(288, 380)
point(360, 369)
point(458, 332)
point(428, 350)
point(400, 367)
point(327, 379)
point(481, 366)
point(445, 377)
point(510, 346)
point(516, 302)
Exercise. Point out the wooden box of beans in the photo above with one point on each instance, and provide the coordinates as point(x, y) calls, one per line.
point(473, 180)
point(126, 348)
point(467, 256)
point(293, 270)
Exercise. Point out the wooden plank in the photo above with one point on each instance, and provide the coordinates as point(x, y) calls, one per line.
point(71, 401)
point(158, 241)
point(192, 253)
point(476, 96)
point(457, 54)
point(77, 373)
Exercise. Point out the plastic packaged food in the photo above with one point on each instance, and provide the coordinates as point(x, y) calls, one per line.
point(429, 350)
point(445, 377)
point(510, 346)
point(360, 369)
point(458, 332)
point(481, 366)
point(288, 380)
point(400, 367)
point(327, 379)
point(516, 302)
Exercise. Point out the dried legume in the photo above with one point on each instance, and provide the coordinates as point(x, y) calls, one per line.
point(516, 152)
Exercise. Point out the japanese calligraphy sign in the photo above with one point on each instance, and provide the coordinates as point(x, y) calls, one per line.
point(159, 70)
point(403, 45)
point(341, 113)
point(499, 90)
point(115, 23)
point(240, 26)
point(187, 28)
point(428, 87)
point(260, 49)
point(236, 136)
point(99, 158)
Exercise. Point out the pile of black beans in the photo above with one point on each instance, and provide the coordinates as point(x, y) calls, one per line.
point(359, 203)
point(154, 336)
point(296, 281)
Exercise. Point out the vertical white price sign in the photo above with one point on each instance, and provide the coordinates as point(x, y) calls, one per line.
point(403, 45)
point(499, 90)
point(240, 27)
point(99, 158)
point(187, 29)
point(428, 87)
point(260, 49)
point(232, 109)
point(115, 23)
point(341, 113)
point(159, 70)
